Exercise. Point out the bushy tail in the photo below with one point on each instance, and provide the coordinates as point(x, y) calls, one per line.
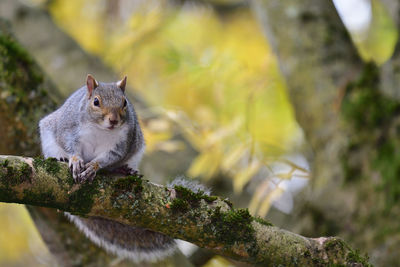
point(134, 243)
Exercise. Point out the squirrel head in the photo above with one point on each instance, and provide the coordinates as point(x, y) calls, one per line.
point(107, 103)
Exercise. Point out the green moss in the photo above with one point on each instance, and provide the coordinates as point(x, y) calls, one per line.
point(227, 201)
point(180, 205)
point(190, 196)
point(14, 174)
point(25, 171)
point(318, 262)
point(38, 198)
point(232, 226)
point(7, 194)
point(11, 48)
point(372, 115)
point(186, 198)
point(9, 178)
point(23, 94)
point(364, 105)
point(81, 200)
point(387, 161)
point(354, 257)
point(128, 184)
point(262, 221)
point(335, 245)
point(50, 165)
point(4, 163)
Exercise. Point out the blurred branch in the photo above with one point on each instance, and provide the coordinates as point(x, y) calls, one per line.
point(390, 71)
point(317, 58)
point(328, 85)
point(209, 222)
point(392, 6)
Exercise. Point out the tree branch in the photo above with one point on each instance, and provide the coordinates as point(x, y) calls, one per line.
point(317, 59)
point(389, 72)
point(208, 222)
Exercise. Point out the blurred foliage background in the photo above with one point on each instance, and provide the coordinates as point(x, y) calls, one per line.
point(212, 75)
point(206, 70)
point(20, 242)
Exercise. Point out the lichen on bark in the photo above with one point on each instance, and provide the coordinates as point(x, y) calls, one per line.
point(209, 222)
point(23, 96)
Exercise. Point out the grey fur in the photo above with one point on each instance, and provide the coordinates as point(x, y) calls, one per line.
point(75, 131)
point(66, 123)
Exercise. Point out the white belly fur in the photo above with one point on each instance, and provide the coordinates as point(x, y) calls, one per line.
point(96, 141)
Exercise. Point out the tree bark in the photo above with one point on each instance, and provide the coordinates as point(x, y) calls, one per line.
point(390, 71)
point(349, 120)
point(317, 58)
point(207, 221)
point(392, 6)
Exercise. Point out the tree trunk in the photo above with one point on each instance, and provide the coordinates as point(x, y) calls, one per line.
point(351, 125)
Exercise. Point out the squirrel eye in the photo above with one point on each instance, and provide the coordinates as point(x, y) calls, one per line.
point(124, 102)
point(96, 102)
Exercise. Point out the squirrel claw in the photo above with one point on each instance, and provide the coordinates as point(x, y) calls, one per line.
point(63, 159)
point(90, 172)
point(76, 166)
point(87, 176)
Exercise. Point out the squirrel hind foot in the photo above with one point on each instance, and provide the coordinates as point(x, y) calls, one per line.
point(126, 170)
point(134, 243)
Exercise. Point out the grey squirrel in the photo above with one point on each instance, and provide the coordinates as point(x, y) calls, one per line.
point(97, 128)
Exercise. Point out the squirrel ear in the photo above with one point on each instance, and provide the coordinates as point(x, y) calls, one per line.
point(122, 83)
point(91, 84)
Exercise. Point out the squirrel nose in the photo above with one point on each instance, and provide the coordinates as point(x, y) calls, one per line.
point(113, 122)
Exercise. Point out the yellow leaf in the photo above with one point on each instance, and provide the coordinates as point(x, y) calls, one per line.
point(244, 175)
point(206, 164)
point(258, 196)
point(266, 204)
point(170, 146)
point(218, 261)
point(223, 132)
point(233, 156)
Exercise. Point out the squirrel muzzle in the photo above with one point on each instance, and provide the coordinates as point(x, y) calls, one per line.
point(113, 119)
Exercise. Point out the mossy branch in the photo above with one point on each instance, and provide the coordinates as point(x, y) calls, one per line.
point(209, 222)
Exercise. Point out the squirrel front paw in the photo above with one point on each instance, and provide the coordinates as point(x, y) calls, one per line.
point(76, 165)
point(90, 171)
